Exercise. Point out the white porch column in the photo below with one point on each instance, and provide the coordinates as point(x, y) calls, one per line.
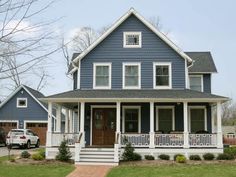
point(70, 121)
point(58, 116)
point(118, 121)
point(67, 121)
point(186, 131)
point(82, 109)
point(78, 114)
point(152, 133)
point(219, 126)
point(49, 131)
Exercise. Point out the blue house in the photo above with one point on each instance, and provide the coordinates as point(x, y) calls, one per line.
point(133, 83)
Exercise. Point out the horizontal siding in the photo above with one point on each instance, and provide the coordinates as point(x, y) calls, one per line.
point(153, 50)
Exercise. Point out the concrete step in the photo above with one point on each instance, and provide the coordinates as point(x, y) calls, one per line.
point(97, 163)
point(97, 156)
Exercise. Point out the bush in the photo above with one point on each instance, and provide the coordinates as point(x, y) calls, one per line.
point(230, 150)
point(42, 152)
point(225, 156)
point(176, 155)
point(37, 156)
point(164, 157)
point(181, 159)
point(208, 156)
point(129, 154)
point(149, 157)
point(195, 157)
point(25, 154)
point(137, 156)
point(64, 153)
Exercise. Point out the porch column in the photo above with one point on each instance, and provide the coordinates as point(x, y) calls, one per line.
point(78, 114)
point(186, 131)
point(67, 121)
point(82, 109)
point(49, 130)
point(118, 121)
point(58, 116)
point(70, 121)
point(219, 126)
point(152, 133)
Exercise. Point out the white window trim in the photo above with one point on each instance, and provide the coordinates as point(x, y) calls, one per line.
point(123, 117)
point(139, 75)
point(132, 33)
point(205, 116)
point(157, 116)
point(17, 103)
point(11, 121)
point(169, 64)
point(201, 76)
point(94, 75)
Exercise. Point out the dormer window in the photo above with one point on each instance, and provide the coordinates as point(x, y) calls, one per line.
point(196, 82)
point(132, 39)
point(21, 103)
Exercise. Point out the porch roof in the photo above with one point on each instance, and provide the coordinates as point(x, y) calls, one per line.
point(167, 95)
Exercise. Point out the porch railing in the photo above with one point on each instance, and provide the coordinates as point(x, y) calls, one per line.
point(169, 140)
point(136, 140)
point(229, 139)
point(71, 138)
point(202, 140)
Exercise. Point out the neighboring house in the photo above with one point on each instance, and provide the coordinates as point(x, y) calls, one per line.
point(134, 83)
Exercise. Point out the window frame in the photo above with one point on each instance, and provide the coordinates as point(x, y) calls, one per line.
point(201, 76)
point(132, 33)
point(123, 118)
point(21, 99)
point(189, 116)
point(169, 64)
point(94, 75)
point(139, 75)
point(157, 128)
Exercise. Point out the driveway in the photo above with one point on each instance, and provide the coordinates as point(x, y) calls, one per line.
point(15, 151)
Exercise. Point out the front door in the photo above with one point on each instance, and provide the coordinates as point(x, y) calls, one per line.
point(104, 126)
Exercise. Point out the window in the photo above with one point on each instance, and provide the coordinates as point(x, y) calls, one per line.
point(131, 76)
point(198, 120)
point(165, 119)
point(131, 123)
point(102, 76)
point(196, 82)
point(162, 75)
point(132, 40)
point(21, 103)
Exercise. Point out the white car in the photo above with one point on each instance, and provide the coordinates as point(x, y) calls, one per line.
point(23, 138)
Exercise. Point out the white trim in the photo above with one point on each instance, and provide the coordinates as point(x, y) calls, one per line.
point(124, 64)
point(148, 24)
point(91, 121)
point(186, 75)
point(123, 118)
point(202, 72)
point(94, 75)
point(78, 75)
point(201, 77)
point(34, 121)
point(21, 99)
point(11, 121)
point(169, 64)
point(132, 33)
point(189, 116)
point(157, 116)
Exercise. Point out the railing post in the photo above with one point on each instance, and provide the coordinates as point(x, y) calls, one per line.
point(151, 133)
point(219, 126)
point(186, 131)
point(116, 153)
point(77, 152)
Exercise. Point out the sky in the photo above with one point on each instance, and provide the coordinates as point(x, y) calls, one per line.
point(203, 25)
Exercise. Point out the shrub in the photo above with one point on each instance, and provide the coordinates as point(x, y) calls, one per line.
point(37, 156)
point(181, 159)
point(195, 157)
point(129, 154)
point(176, 155)
point(225, 156)
point(208, 156)
point(164, 157)
point(137, 156)
point(25, 154)
point(42, 152)
point(230, 150)
point(149, 157)
point(64, 153)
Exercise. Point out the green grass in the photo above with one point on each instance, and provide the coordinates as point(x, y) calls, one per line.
point(179, 170)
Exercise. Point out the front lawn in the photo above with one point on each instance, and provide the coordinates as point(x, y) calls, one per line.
point(175, 170)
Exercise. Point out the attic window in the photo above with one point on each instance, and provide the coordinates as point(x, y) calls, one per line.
point(132, 39)
point(21, 103)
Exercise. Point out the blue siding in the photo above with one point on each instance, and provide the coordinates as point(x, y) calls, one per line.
point(207, 82)
point(153, 50)
point(34, 111)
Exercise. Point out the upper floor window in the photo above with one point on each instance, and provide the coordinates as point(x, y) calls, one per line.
point(21, 103)
point(131, 76)
point(102, 76)
point(162, 75)
point(132, 39)
point(196, 82)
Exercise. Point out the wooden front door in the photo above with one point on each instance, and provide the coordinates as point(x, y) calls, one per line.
point(104, 126)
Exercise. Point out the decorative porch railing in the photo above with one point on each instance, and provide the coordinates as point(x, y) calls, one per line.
point(137, 140)
point(169, 140)
point(71, 138)
point(202, 140)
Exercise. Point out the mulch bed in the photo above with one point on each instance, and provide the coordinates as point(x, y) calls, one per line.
point(22, 161)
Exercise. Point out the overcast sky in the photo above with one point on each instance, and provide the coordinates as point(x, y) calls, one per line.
point(203, 25)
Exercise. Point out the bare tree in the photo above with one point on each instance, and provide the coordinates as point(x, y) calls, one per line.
point(156, 22)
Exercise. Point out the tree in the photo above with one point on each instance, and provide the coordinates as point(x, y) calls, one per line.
point(64, 153)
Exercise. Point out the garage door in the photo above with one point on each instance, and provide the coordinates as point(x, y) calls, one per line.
point(7, 126)
point(40, 129)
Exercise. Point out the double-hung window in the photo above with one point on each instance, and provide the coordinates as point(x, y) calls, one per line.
point(162, 75)
point(165, 119)
point(198, 119)
point(196, 82)
point(102, 75)
point(131, 119)
point(131, 76)
point(132, 40)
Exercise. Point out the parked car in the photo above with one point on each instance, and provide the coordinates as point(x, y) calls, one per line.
point(22, 138)
point(2, 137)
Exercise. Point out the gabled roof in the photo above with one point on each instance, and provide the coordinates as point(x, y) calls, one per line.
point(148, 24)
point(202, 62)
